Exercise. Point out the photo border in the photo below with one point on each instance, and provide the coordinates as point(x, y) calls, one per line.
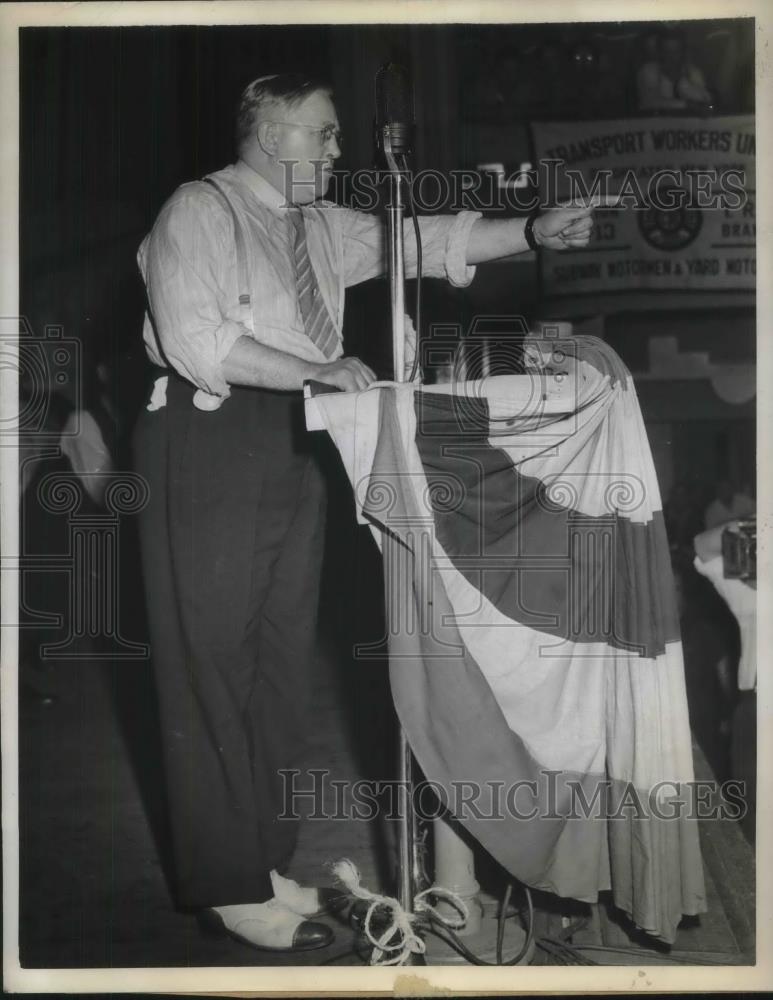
point(321, 980)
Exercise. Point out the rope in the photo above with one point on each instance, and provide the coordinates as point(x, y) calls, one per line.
point(401, 923)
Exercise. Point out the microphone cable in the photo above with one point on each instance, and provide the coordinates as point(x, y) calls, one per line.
point(427, 923)
point(441, 930)
point(417, 321)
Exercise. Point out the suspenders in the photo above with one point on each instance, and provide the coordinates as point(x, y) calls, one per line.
point(203, 400)
point(241, 248)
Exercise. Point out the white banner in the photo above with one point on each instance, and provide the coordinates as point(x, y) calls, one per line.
point(679, 243)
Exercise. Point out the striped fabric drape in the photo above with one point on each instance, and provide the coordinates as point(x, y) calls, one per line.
point(535, 654)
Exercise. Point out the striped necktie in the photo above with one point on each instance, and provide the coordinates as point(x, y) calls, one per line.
point(316, 319)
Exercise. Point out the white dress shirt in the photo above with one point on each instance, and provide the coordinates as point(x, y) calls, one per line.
point(188, 262)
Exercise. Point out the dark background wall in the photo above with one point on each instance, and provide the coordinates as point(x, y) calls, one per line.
point(113, 119)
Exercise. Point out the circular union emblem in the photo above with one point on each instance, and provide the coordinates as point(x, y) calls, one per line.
point(672, 228)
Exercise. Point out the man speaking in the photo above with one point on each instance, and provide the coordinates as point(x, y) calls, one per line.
point(245, 274)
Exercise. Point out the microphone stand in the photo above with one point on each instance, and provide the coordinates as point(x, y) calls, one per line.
point(452, 853)
point(396, 258)
point(455, 863)
point(409, 870)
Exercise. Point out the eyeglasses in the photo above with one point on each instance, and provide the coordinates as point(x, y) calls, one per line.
point(326, 132)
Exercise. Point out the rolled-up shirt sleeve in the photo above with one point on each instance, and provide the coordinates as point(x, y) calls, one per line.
point(185, 264)
point(444, 241)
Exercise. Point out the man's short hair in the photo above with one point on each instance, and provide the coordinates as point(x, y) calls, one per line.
point(260, 96)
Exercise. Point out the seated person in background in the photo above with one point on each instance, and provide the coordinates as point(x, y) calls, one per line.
point(683, 518)
point(727, 505)
point(670, 82)
point(88, 434)
point(741, 598)
point(739, 595)
point(710, 647)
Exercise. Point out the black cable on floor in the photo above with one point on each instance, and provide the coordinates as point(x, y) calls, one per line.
point(562, 953)
point(501, 922)
point(439, 929)
point(557, 948)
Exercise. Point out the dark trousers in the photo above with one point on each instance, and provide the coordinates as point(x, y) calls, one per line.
point(232, 540)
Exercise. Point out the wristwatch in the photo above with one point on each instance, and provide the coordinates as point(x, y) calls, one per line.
point(528, 231)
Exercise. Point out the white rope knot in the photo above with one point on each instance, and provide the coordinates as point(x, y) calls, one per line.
point(401, 923)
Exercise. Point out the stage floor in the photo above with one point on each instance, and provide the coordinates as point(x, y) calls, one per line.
point(94, 843)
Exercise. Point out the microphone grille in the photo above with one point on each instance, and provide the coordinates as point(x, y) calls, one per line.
point(394, 94)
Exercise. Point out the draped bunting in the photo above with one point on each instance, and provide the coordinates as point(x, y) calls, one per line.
point(535, 657)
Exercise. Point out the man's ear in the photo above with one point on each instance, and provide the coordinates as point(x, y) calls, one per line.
point(268, 137)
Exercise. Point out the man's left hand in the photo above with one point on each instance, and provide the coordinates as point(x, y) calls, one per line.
point(564, 228)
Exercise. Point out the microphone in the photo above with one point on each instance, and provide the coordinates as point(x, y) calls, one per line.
point(394, 139)
point(394, 110)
